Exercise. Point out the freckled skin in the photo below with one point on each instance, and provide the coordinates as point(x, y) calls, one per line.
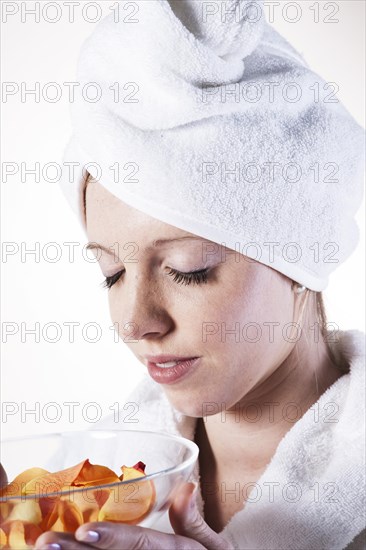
point(169, 318)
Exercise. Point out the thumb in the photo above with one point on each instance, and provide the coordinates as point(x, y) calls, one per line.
point(187, 521)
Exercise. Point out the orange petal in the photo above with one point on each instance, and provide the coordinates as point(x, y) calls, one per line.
point(3, 539)
point(15, 487)
point(70, 515)
point(57, 526)
point(94, 474)
point(50, 483)
point(28, 510)
point(48, 508)
point(129, 502)
point(21, 535)
point(131, 473)
point(16, 536)
point(101, 496)
point(5, 509)
point(87, 498)
point(32, 532)
point(90, 515)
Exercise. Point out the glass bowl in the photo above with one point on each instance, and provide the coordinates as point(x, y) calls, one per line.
point(156, 464)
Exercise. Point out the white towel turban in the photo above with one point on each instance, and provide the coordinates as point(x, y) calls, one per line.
point(201, 115)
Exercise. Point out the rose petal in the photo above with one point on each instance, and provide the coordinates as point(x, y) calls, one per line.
point(129, 503)
point(94, 474)
point(131, 473)
point(5, 510)
point(3, 539)
point(57, 526)
point(28, 510)
point(90, 515)
point(70, 515)
point(48, 507)
point(88, 499)
point(24, 520)
point(53, 482)
point(21, 535)
point(16, 536)
point(15, 487)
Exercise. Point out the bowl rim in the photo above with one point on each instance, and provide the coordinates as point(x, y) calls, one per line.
point(191, 445)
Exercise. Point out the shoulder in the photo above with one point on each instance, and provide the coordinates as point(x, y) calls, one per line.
point(350, 343)
point(358, 543)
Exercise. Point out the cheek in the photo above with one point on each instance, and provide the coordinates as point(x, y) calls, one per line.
point(112, 308)
point(114, 312)
point(248, 324)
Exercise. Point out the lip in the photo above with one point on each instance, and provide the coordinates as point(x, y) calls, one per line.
point(171, 375)
point(163, 358)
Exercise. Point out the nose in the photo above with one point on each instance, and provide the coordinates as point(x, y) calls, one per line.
point(139, 311)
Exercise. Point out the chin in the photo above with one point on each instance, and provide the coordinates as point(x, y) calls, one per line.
point(196, 410)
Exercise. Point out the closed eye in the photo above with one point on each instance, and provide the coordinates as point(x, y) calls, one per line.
point(110, 281)
point(196, 277)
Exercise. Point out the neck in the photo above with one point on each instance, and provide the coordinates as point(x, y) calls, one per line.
point(250, 431)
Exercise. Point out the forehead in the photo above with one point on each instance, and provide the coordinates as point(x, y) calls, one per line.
point(109, 219)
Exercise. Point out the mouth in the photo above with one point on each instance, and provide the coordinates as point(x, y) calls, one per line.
point(167, 361)
point(167, 365)
point(169, 371)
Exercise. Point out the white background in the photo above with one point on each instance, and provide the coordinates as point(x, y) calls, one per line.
point(36, 374)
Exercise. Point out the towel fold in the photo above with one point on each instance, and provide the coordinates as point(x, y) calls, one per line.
point(209, 120)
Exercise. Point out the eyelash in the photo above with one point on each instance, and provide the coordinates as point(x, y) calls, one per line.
point(197, 277)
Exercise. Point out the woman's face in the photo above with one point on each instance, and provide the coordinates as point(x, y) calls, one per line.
point(234, 322)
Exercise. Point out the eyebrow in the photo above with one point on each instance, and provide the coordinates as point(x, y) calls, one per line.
point(155, 244)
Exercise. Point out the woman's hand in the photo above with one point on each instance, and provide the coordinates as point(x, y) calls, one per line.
point(191, 532)
point(3, 477)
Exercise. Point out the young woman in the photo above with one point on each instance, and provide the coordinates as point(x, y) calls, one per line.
point(235, 342)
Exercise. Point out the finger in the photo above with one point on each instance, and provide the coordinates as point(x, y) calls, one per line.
point(52, 540)
point(106, 535)
point(187, 521)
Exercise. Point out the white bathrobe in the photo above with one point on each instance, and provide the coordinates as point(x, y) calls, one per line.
point(317, 473)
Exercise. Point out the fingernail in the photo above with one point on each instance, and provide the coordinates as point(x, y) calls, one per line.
point(88, 536)
point(52, 546)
